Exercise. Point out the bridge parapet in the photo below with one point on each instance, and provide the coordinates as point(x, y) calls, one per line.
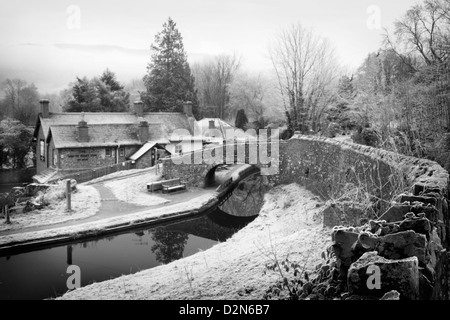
point(323, 166)
point(412, 195)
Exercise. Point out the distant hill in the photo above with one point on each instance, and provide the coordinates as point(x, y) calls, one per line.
point(51, 67)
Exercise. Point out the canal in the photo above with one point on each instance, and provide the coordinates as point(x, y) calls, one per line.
point(43, 273)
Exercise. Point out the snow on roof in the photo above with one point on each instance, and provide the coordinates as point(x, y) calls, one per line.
point(105, 135)
point(144, 149)
point(110, 128)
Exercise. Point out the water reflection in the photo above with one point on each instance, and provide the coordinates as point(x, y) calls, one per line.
point(168, 245)
point(247, 199)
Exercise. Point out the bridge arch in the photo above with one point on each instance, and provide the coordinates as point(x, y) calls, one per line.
point(210, 177)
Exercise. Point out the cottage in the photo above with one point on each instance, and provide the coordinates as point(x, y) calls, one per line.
point(216, 131)
point(71, 142)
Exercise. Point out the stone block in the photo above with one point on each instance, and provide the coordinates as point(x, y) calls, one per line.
point(400, 275)
point(368, 241)
point(430, 212)
point(343, 244)
point(403, 245)
point(423, 199)
point(391, 295)
point(420, 189)
point(421, 225)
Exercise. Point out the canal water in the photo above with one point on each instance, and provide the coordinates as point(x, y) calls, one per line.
point(43, 274)
point(10, 178)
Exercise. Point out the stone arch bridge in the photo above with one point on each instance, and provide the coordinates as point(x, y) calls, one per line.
point(411, 195)
point(198, 168)
point(321, 165)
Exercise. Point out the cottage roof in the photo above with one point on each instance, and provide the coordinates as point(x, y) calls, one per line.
point(144, 149)
point(109, 129)
point(101, 135)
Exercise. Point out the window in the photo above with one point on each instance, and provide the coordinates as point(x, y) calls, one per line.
point(108, 152)
point(42, 149)
point(122, 152)
point(178, 148)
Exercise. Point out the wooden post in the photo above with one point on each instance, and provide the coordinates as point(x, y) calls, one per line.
point(7, 214)
point(69, 255)
point(68, 196)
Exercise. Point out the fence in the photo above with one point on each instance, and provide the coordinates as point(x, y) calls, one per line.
point(83, 176)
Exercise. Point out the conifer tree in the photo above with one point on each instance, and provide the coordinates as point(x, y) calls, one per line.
point(169, 81)
point(241, 120)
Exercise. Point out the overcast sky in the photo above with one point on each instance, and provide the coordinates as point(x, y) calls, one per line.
point(47, 42)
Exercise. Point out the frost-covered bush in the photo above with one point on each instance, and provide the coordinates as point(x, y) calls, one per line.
point(55, 193)
point(366, 136)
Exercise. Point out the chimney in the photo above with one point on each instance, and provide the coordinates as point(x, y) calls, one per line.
point(83, 130)
point(139, 108)
point(44, 108)
point(144, 133)
point(187, 109)
point(211, 124)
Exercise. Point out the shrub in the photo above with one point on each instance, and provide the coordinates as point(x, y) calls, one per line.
point(366, 136)
point(286, 134)
point(443, 154)
point(56, 193)
point(333, 129)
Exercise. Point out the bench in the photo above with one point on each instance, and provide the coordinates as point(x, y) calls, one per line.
point(158, 185)
point(170, 186)
point(168, 189)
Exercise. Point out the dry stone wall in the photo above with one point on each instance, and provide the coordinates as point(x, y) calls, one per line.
point(406, 240)
point(405, 234)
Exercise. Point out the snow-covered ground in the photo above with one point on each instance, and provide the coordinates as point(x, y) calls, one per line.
point(134, 189)
point(85, 203)
point(121, 174)
point(344, 138)
point(289, 224)
point(95, 227)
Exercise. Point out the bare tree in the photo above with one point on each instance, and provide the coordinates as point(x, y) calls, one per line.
point(226, 67)
point(305, 66)
point(423, 31)
point(422, 40)
point(12, 88)
point(213, 79)
point(248, 93)
point(204, 83)
point(21, 100)
point(257, 94)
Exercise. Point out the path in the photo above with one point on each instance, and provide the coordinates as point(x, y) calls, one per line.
point(112, 207)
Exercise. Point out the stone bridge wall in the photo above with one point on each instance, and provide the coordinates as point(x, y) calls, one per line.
point(408, 243)
point(193, 170)
point(324, 166)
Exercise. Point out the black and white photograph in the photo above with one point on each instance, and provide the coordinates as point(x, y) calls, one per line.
point(243, 151)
